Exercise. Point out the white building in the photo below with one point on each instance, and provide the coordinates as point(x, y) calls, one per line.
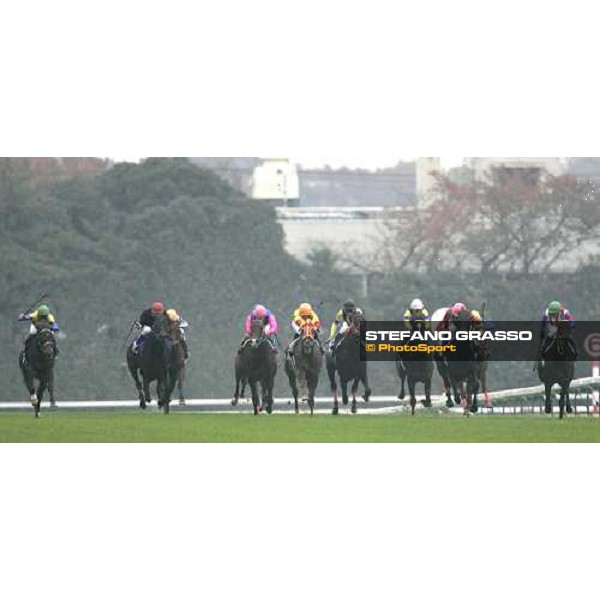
point(276, 181)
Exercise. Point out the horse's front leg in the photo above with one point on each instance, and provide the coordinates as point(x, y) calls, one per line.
point(138, 387)
point(146, 386)
point(402, 375)
point(570, 410)
point(180, 382)
point(562, 402)
point(365, 382)
point(30, 384)
point(413, 395)
point(255, 396)
point(345, 398)
point(548, 407)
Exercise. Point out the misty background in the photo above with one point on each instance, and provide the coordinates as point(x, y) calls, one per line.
point(105, 239)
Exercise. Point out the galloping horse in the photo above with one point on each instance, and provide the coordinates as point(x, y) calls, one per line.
point(37, 362)
point(349, 367)
point(416, 367)
point(462, 369)
point(557, 365)
point(256, 363)
point(303, 367)
point(158, 360)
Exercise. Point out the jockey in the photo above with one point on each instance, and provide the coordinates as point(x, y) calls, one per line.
point(303, 314)
point(175, 320)
point(270, 322)
point(40, 319)
point(146, 323)
point(452, 314)
point(416, 314)
point(555, 314)
point(343, 320)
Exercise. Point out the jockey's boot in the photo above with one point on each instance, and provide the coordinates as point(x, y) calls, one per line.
point(186, 354)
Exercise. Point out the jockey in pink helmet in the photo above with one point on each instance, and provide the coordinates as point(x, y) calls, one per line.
point(452, 314)
point(269, 320)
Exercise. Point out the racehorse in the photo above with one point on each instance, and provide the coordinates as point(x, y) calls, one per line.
point(557, 366)
point(416, 367)
point(462, 369)
point(349, 367)
point(256, 364)
point(158, 360)
point(37, 362)
point(303, 367)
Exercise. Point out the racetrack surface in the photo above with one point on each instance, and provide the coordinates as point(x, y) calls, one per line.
point(432, 426)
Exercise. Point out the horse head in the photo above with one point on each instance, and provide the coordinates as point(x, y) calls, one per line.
point(257, 332)
point(46, 344)
point(357, 320)
point(564, 330)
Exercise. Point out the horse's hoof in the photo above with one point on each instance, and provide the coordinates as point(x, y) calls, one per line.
point(354, 408)
point(449, 404)
point(570, 410)
point(53, 404)
point(427, 404)
point(297, 411)
point(234, 402)
point(401, 396)
point(256, 412)
point(548, 410)
point(269, 410)
point(182, 403)
point(336, 411)
point(261, 409)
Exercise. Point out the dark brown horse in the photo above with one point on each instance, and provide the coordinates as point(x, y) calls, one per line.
point(303, 367)
point(349, 367)
point(557, 366)
point(416, 367)
point(256, 364)
point(463, 369)
point(37, 362)
point(159, 360)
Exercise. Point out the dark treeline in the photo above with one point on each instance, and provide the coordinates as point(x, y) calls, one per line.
point(105, 244)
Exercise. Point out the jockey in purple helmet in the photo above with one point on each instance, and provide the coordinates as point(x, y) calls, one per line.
point(556, 313)
point(269, 320)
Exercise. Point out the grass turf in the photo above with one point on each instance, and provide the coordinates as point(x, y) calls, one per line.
point(134, 427)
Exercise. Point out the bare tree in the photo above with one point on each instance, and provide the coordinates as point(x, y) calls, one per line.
point(523, 224)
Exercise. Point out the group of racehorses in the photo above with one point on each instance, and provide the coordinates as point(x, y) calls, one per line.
point(161, 359)
point(256, 365)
